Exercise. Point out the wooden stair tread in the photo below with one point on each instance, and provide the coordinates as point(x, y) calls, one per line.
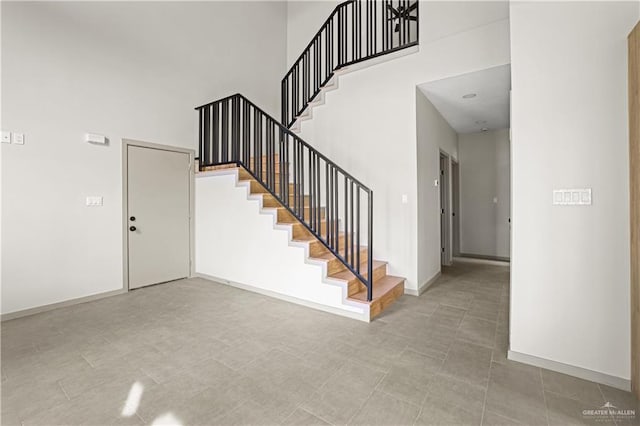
point(347, 275)
point(381, 287)
point(304, 238)
point(330, 256)
point(220, 167)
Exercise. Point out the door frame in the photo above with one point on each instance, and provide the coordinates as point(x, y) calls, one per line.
point(455, 208)
point(126, 143)
point(634, 203)
point(445, 210)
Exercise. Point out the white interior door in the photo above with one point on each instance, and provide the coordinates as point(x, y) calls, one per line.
point(157, 215)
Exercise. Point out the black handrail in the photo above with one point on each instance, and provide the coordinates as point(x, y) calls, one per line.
point(347, 37)
point(233, 130)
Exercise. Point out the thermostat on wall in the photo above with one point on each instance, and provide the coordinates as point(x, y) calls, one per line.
point(94, 138)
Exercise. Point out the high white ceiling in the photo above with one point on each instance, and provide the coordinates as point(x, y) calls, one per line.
point(488, 109)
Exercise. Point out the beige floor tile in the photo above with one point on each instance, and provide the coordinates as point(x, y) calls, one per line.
point(26, 399)
point(303, 417)
point(622, 399)
point(447, 316)
point(249, 414)
point(478, 331)
point(572, 387)
point(76, 384)
point(468, 362)
point(484, 310)
point(343, 394)
point(433, 341)
point(384, 409)
point(450, 297)
point(456, 393)
point(566, 411)
point(515, 392)
point(338, 405)
point(492, 419)
point(404, 385)
point(442, 413)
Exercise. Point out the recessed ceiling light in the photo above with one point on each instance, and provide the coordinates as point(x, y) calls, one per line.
point(484, 129)
point(469, 96)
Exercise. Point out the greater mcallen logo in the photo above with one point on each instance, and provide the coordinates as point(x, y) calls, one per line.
point(609, 412)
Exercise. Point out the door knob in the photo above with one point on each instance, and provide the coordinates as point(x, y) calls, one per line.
point(132, 218)
point(132, 228)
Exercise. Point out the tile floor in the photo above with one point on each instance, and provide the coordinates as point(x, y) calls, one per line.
point(196, 352)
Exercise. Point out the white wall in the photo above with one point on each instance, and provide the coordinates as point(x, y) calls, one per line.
point(223, 251)
point(433, 135)
point(125, 70)
point(368, 125)
point(304, 19)
point(570, 265)
point(485, 199)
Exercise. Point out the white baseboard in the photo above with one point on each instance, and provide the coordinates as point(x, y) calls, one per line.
point(45, 308)
point(571, 370)
point(482, 261)
point(330, 309)
point(423, 287)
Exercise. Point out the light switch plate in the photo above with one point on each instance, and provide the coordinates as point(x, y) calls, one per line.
point(6, 137)
point(94, 201)
point(17, 138)
point(572, 197)
point(405, 198)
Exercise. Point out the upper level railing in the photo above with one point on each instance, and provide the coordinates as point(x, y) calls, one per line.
point(326, 199)
point(355, 31)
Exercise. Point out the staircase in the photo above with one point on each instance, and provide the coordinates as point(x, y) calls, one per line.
point(386, 288)
point(358, 33)
point(329, 211)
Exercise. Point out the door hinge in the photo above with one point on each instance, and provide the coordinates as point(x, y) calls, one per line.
point(443, 249)
point(442, 212)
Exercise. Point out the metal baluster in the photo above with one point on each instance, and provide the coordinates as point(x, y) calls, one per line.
point(370, 249)
point(337, 214)
point(358, 228)
point(331, 215)
point(235, 148)
point(225, 131)
point(215, 136)
point(351, 221)
point(206, 143)
point(375, 27)
point(346, 221)
point(302, 197)
point(318, 196)
point(295, 175)
point(310, 188)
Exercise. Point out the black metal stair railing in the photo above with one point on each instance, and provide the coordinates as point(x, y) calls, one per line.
point(331, 204)
point(356, 30)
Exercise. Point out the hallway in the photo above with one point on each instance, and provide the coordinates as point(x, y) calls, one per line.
point(197, 352)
